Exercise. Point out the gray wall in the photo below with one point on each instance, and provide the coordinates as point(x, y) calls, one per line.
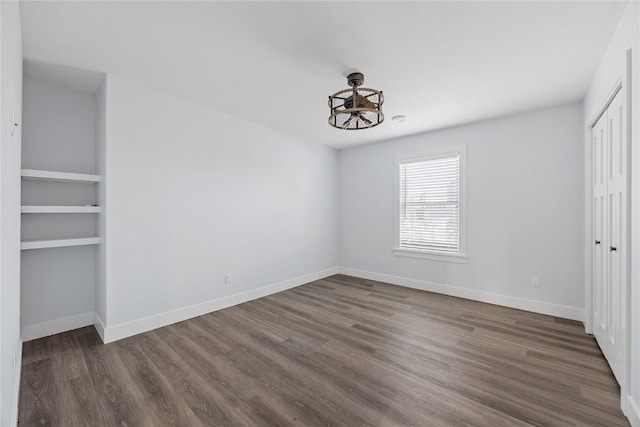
point(525, 207)
point(194, 194)
point(59, 128)
point(59, 135)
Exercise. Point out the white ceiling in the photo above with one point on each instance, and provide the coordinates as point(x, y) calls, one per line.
point(439, 63)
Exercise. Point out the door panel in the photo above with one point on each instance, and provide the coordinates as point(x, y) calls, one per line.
point(599, 150)
point(617, 190)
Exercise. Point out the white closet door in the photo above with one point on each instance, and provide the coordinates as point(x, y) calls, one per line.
point(599, 150)
point(610, 231)
point(617, 207)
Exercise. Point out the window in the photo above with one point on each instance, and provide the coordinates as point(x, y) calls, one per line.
point(431, 205)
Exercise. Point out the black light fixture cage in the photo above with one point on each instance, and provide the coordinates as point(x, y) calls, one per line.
point(364, 113)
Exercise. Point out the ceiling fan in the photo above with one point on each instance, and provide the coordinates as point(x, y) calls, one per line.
point(356, 108)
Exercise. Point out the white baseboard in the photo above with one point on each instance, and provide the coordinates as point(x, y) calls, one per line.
point(98, 323)
point(567, 312)
point(633, 411)
point(44, 329)
point(16, 388)
point(138, 326)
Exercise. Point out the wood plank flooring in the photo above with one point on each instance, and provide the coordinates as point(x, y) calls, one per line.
point(339, 351)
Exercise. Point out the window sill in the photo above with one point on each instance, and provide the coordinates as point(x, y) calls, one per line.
point(434, 256)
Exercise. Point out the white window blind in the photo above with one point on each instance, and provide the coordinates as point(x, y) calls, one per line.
point(430, 204)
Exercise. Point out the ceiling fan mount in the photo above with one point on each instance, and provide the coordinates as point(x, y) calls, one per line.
point(355, 79)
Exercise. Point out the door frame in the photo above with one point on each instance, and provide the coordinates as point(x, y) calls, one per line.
point(622, 85)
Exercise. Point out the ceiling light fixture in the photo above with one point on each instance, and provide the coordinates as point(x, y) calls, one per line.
point(399, 118)
point(364, 113)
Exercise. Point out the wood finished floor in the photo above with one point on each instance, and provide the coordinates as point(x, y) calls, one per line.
point(339, 351)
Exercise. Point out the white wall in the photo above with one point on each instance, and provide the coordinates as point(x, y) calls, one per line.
point(193, 194)
point(525, 207)
point(11, 98)
point(626, 36)
point(59, 134)
point(101, 136)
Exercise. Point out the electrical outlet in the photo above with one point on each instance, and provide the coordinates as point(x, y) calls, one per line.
point(227, 279)
point(535, 282)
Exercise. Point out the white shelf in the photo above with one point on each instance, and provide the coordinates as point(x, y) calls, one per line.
point(60, 176)
point(42, 244)
point(60, 209)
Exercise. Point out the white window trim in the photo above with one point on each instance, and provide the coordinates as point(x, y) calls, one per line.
point(459, 257)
